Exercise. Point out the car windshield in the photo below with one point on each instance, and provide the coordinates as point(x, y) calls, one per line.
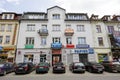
point(1, 65)
point(42, 64)
point(21, 64)
point(58, 63)
point(79, 64)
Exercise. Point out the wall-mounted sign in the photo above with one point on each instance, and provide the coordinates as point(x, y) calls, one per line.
point(83, 51)
point(82, 46)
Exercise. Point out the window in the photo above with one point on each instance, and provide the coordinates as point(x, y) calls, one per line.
point(68, 26)
point(43, 41)
point(56, 39)
point(30, 27)
point(81, 40)
point(44, 26)
point(2, 28)
point(1, 39)
point(30, 40)
point(56, 27)
point(10, 16)
point(80, 28)
point(9, 28)
point(100, 41)
point(5, 16)
point(98, 28)
point(56, 16)
point(69, 40)
point(110, 29)
point(7, 41)
point(77, 17)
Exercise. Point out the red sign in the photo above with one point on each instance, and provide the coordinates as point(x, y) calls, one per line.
point(70, 46)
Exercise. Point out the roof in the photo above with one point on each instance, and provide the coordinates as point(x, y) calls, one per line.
point(54, 7)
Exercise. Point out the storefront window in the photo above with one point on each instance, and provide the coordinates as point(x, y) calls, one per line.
point(102, 57)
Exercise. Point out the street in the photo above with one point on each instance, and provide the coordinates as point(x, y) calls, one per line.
point(62, 76)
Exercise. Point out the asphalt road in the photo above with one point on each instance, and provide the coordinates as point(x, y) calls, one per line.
point(62, 76)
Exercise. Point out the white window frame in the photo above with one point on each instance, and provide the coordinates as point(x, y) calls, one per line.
point(81, 40)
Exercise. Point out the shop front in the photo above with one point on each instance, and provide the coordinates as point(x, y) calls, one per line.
point(56, 49)
point(7, 53)
point(81, 55)
point(33, 55)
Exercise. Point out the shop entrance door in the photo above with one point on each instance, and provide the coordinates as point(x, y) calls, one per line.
point(56, 58)
point(42, 58)
point(83, 58)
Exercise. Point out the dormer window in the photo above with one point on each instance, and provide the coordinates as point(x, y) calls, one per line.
point(118, 18)
point(56, 16)
point(7, 16)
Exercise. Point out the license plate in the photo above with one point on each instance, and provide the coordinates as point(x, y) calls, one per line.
point(41, 67)
point(99, 69)
point(20, 68)
point(58, 67)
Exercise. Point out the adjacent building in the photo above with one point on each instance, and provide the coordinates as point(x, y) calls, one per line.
point(9, 27)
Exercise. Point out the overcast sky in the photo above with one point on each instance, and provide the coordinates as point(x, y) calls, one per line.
point(98, 7)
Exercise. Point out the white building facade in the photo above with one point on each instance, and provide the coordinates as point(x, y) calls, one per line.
point(59, 36)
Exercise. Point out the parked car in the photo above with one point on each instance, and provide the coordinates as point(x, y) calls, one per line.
point(94, 67)
point(111, 66)
point(26, 67)
point(59, 67)
point(42, 67)
point(6, 68)
point(77, 67)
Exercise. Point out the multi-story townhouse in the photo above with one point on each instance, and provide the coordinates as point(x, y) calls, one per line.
point(112, 25)
point(55, 36)
point(9, 26)
point(100, 38)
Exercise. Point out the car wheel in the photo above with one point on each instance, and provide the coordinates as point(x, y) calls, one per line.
point(83, 72)
point(72, 71)
point(90, 70)
point(101, 72)
point(4, 73)
point(37, 72)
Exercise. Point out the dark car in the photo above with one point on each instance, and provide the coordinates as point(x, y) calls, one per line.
point(59, 67)
point(94, 67)
point(111, 66)
point(77, 67)
point(6, 68)
point(42, 67)
point(26, 67)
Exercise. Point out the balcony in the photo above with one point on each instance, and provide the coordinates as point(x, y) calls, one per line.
point(82, 46)
point(70, 46)
point(29, 46)
point(43, 32)
point(69, 32)
point(56, 45)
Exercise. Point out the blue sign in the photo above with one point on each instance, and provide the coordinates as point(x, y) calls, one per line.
point(1, 48)
point(82, 46)
point(83, 51)
point(91, 51)
point(56, 45)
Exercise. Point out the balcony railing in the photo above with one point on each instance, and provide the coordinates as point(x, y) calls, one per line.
point(69, 32)
point(29, 46)
point(82, 46)
point(56, 45)
point(43, 32)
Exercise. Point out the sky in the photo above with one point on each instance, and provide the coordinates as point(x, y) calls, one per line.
point(97, 7)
